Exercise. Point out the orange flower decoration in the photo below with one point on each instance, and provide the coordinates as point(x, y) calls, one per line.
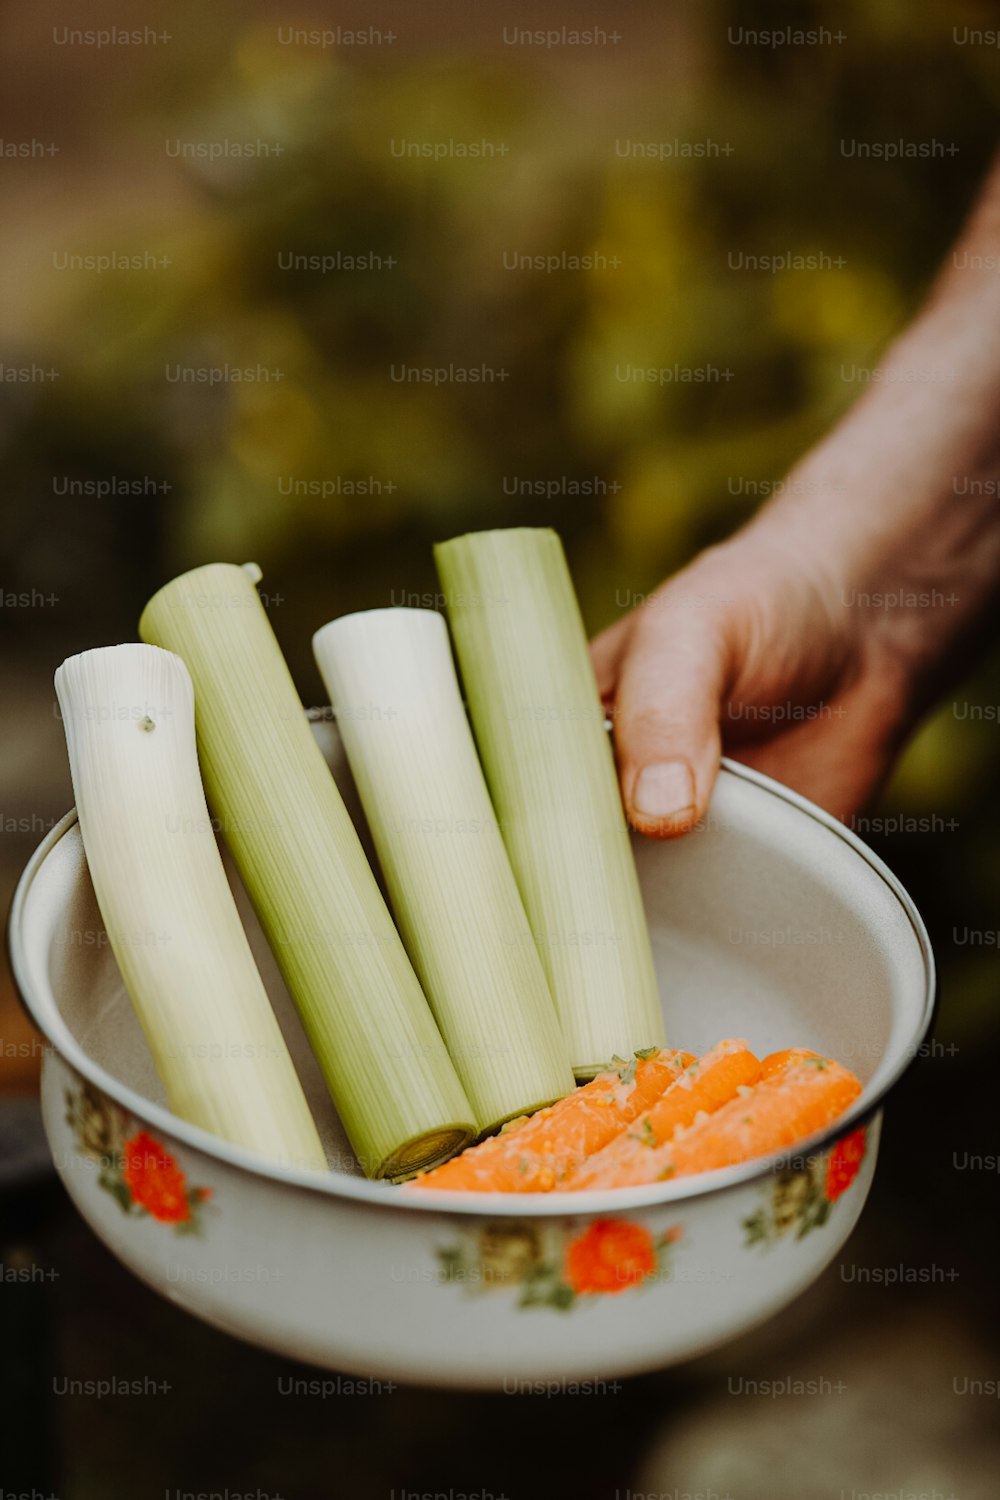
point(610, 1256)
point(155, 1180)
point(845, 1163)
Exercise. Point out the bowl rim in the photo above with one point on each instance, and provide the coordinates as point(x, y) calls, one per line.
point(381, 1194)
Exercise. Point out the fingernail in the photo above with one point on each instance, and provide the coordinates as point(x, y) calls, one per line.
point(665, 790)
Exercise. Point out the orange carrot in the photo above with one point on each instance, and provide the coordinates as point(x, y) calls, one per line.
point(805, 1096)
point(777, 1062)
point(795, 1100)
point(702, 1088)
point(535, 1156)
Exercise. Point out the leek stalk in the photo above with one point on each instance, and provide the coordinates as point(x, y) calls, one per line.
point(392, 682)
point(539, 726)
point(394, 1086)
point(170, 917)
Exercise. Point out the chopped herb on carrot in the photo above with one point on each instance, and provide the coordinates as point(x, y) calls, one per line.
point(701, 1088)
point(553, 1142)
point(659, 1116)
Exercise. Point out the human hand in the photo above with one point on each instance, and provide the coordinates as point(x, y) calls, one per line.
point(761, 653)
point(810, 643)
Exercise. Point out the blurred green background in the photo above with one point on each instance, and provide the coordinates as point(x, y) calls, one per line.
point(336, 478)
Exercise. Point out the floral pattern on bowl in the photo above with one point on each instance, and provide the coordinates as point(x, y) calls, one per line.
point(801, 1199)
point(135, 1168)
point(557, 1266)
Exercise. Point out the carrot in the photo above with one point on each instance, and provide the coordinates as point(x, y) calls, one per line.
point(807, 1094)
point(534, 1156)
point(702, 1088)
point(777, 1062)
point(800, 1096)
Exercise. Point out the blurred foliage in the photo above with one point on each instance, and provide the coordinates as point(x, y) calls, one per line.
point(675, 450)
point(678, 459)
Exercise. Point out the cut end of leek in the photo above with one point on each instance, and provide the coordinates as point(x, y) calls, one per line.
point(539, 726)
point(367, 1019)
point(171, 920)
point(414, 1156)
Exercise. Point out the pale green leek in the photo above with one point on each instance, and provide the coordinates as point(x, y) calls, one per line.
point(394, 1086)
point(170, 917)
point(392, 683)
point(539, 725)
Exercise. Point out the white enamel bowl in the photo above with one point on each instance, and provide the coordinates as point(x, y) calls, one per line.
point(772, 922)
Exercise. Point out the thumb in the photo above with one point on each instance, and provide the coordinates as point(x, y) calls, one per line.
point(666, 713)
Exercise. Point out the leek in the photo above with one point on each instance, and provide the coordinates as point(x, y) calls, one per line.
point(394, 1086)
point(539, 725)
point(172, 923)
point(393, 686)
